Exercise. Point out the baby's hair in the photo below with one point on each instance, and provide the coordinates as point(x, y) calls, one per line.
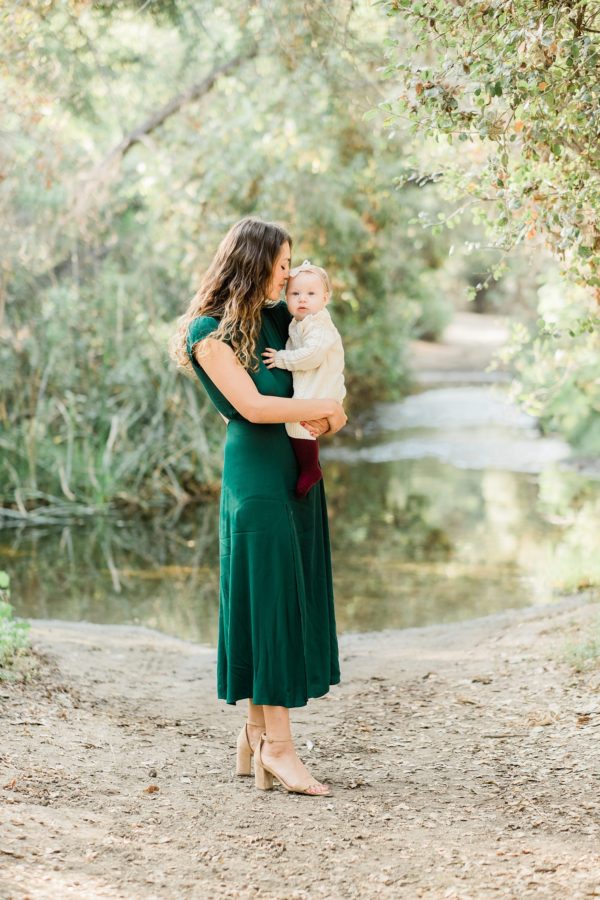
point(307, 266)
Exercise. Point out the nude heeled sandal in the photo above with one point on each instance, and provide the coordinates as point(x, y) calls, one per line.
point(263, 775)
point(244, 750)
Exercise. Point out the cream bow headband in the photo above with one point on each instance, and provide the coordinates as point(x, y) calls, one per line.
point(307, 266)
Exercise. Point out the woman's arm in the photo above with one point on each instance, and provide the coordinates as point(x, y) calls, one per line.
point(222, 367)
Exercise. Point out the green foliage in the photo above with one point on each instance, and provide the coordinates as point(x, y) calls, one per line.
point(556, 365)
point(516, 87)
point(99, 415)
point(114, 201)
point(506, 98)
point(574, 502)
point(13, 632)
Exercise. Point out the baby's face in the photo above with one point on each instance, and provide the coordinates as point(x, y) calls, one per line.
point(305, 295)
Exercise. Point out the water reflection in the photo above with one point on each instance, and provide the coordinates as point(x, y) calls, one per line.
point(420, 542)
point(415, 541)
point(120, 572)
point(469, 427)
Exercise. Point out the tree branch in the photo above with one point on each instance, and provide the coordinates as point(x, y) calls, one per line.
point(101, 173)
point(195, 92)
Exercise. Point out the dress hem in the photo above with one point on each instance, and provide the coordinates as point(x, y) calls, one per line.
point(260, 702)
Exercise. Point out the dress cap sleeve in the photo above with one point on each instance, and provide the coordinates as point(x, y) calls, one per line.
point(199, 328)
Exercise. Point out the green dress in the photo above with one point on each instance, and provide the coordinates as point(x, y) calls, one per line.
point(277, 637)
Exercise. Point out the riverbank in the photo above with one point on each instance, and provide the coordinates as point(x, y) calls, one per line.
point(463, 759)
point(464, 354)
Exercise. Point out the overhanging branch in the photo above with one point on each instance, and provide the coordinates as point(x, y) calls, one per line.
point(103, 172)
point(195, 92)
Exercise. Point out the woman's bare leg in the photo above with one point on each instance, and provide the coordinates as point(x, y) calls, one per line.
point(281, 754)
point(255, 724)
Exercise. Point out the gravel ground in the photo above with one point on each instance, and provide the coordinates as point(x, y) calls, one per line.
point(463, 759)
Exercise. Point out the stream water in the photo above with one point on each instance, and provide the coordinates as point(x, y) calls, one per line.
point(444, 506)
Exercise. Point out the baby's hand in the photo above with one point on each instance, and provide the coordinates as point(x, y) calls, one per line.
point(269, 358)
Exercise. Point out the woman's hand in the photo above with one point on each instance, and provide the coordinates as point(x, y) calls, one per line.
point(316, 427)
point(329, 425)
point(337, 420)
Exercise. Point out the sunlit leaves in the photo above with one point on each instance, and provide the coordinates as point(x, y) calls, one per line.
point(524, 79)
point(515, 88)
point(92, 295)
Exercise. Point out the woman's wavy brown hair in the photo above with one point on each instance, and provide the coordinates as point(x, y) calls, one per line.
point(233, 290)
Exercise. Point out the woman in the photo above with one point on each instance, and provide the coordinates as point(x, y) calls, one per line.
point(277, 641)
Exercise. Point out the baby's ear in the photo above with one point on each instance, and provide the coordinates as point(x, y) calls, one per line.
point(326, 297)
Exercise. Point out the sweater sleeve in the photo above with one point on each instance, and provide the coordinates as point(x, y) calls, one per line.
point(317, 341)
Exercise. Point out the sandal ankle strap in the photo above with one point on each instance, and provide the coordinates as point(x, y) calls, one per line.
point(278, 740)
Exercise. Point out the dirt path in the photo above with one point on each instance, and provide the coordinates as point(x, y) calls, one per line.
point(464, 761)
point(464, 352)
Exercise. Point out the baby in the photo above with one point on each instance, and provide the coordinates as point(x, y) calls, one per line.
point(314, 353)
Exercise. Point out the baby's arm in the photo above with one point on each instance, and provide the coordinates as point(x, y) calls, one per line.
point(316, 344)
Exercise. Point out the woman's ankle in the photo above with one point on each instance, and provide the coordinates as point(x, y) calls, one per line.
point(255, 730)
point(279, 749)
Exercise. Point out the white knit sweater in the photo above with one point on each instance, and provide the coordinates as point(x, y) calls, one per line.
point(315, 355)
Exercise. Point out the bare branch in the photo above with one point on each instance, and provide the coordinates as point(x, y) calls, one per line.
point(195, 92)
point(102, 173)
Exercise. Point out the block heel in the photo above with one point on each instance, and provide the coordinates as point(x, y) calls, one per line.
point(263, 779)
point(244, 751)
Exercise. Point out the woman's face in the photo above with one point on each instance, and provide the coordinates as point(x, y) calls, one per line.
point(281, 271)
